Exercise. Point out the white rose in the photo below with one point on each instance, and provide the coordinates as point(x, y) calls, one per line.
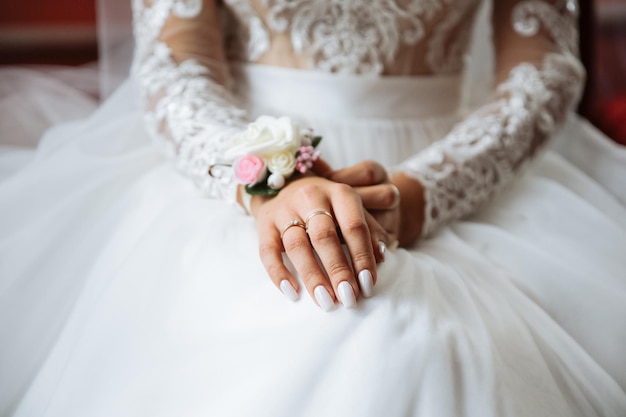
point(266, 136)
point(283, 163)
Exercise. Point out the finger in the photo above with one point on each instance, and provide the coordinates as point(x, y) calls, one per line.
point(322, 168)
point(387, 219)
point(322, 232)
point(362, 174)
point(379, 236)
point(270, 252)
point(350, 217)
point(379, 197)
point(298, 248)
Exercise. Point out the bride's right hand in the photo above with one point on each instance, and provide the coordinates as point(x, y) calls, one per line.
point(323, 212)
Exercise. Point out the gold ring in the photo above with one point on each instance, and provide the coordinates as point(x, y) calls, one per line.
point(315, 213)
point(293, 222)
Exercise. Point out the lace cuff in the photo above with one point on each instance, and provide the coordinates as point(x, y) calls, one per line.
point(487, 150)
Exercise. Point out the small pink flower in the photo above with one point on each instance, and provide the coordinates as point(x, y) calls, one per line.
point(250, 169)
point(306, 157)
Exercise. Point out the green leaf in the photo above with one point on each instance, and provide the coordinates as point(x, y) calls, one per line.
point(261, 189)
point(316, 141)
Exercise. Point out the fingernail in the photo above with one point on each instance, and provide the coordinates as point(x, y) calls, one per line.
point(366, 281)
point(396, 197)
point(323, 298)
point(382, 249)
point(288, 290)
point(346, 294)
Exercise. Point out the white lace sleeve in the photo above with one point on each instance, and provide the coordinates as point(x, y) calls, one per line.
point(536, 45)
point(180, 65)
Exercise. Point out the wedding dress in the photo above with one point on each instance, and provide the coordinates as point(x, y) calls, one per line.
point(125, 291)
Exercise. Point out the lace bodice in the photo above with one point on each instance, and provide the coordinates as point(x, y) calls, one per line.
point(352, 36)
point(184, 47)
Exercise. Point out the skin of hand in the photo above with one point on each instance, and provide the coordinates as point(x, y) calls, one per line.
point(326, 279)
point(401, 215)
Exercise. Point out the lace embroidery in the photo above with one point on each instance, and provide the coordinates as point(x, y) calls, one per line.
point(445, 50)
point(256, 39)
point(487, 150)
point(346, 36)
point(188, 114)
point(531, 16)
point(187, 8)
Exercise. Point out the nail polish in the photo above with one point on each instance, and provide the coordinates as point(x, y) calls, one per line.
point(366, 281)
point(323, 298)
point(382, 249)
point(288, 290)
point(346, 294)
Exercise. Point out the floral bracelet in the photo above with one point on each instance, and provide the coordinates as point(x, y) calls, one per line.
point(269, 152)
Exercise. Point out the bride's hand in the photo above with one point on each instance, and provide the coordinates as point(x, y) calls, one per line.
point(396, 203)
point(379, 195)
point(306, 219)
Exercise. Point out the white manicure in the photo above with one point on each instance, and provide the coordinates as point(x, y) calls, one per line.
point(382, 249)
point(323, 298)
point(288, 290)
point(346, 294)
point(366, 282)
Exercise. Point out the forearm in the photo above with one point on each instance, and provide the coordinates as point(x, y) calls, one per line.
point(485, 152)
point(189, 111)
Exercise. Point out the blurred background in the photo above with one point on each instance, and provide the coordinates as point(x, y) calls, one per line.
point(63, 32)
point(47, 32)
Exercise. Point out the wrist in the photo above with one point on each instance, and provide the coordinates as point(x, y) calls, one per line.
point(269, 153)
point(244, 199)
point(412, 205)
point(250, 203)
point(256, 201)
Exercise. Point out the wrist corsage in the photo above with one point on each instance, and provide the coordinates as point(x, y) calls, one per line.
point(269, 152)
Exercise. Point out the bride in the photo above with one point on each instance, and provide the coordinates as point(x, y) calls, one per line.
point(125, 292)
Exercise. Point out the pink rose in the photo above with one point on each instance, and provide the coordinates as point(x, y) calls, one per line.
point(250, 169)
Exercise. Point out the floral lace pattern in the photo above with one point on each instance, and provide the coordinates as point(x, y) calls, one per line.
point(348, 37)
point(487, 150)
point(450, 38)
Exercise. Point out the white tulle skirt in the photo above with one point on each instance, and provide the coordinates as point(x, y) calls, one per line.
point(125, 293)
